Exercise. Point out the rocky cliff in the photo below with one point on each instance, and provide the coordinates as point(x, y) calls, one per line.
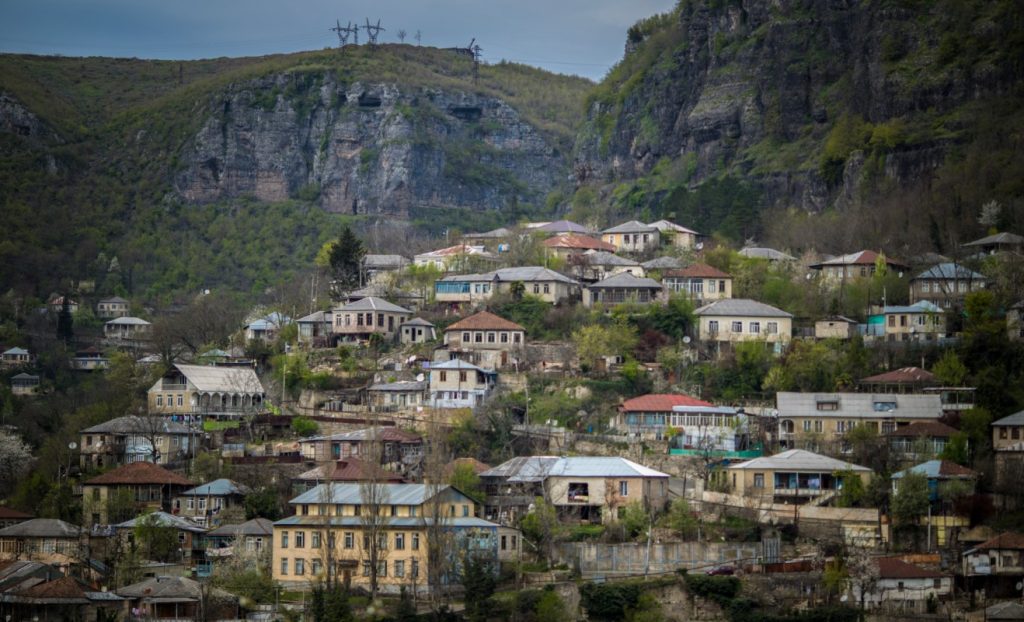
point(806, 99)
point(366, 148)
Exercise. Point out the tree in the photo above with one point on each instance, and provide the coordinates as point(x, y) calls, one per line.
point(465, 478)
point(303, 426)
point(541, 527)
point(15, 460)
point(956, 450)
point(950, 370)
point(346, 260)
point(262, 503)
point(401, 35)
point(852, 492)
point(373, 499)
point(681, 519)
point(910, 502)
point(155, 540)
point(596, 341)
point(65, 322)
point(479, 583)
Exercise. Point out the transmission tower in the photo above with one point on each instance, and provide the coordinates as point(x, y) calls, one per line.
point(475, 50)
point(353, 29)
point(372, 32)
point(341, 32)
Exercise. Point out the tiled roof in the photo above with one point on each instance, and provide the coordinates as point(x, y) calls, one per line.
point(799, 459)
point(661, 402)
point(632, 226)
point(64, 590)
point(42, 528)
point(741, 307)
point(903, 375)
point(7, 513)
point(860, 258)
point(950, 271)
point(372, 303)
point(894, 568)
point(139, 473)
point(574, 240)
point(485, 320)
point(938, 469)
point(625, 280)
point(929, 429)
point(699, 271)
point(1007, 540)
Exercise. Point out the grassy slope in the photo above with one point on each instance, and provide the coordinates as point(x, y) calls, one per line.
point(121, 123)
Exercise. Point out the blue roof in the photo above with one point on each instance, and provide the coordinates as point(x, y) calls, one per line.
point(950, 270)
point(216, 488)
point(274, 320)
point(392, 521)
point(16, 350)
point(922, 306)
point(933, 469)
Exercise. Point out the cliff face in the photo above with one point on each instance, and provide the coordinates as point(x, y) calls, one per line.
point(756, 89)
point(366, 148)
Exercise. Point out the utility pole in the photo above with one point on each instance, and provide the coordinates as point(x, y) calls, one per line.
point(474, 51)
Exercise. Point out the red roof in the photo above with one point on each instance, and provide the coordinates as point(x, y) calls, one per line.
point(699, 271)
point(139, 473)
point(7, 513)
point(661, 402)
point(930, 429)
point(485, 320)
point(354, 470)
point(1004, 541)
point(895, 568)
point(860, 258)
point(64, 588)
point(904, 375)
point(575, 240)
point(952, 469)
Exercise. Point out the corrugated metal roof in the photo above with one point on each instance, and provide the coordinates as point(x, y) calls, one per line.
point(400, 522)
point(400, 386)
point(999, 238)
point(164, 520)
point(741, 307)
point(352, 494)
point(372, 303)
point(938, 469)
point(663, 263)
point(525, 274)
point(42, 528)
point(134, 424)
point(950, 271)
point(922, 306)
point(217, 488)
point(625, 280)
point(317, 317)
point(539, 468)
point(755, 252)
point(602, 258)
point(16, 350)
point(384, 261)
point(859, 405)
point(417, 321)
point(860, 258)
point(799, 460)
point(631, 226)
point(903, 375)
point(1014, 419)
point(139, 473)
point(128, 321)
point(459, 364)
point(221, 379)
point(563, 226)
point(894, 568)
point(254, 527)
point(668, 225)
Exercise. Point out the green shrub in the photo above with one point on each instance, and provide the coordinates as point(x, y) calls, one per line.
point(609, 601)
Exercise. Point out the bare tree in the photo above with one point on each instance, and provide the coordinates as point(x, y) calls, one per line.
point(439, 537)
point(374, 515)
point(15, 460)
point(418, 36)
point(401, 35)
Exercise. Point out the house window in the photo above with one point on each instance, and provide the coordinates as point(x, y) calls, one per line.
point(284, 539)
point(828, 405)
point(202, 504)
point(772, 328)
point(415, 545)
point(547, 288)
point(300, 540)
point(516, 337)
point(899, 586)
point(817, 425)
point(181, 400)
point(349, 539)
point(807, 425)
point(536, 288)
point(465, 337)
point(414, 569)
point(465, 511)
point(190, 504)
point(892, 321)
point(624, 488)
point(399, 541)
point(315, 566)
point(937, 583)
point(755, 328)
point(399, 568)
point(284, 565)
point(758, 480)
point(491, 338)
point(412, 510)
point(713, 326)
point(478, 337)
point(366, 568)
point(382, 568)
point(300, 566)
point(737, 327)
point(314, 539)
point(711, 287)
point(444, 376)
point(1015, 433)
point(1002, 433)
point(159, 400)
point(504, 337)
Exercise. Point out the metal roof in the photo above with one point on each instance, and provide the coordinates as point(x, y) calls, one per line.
point(372, 303)
point(402, 522)
point(500, 232)
point(416, 321)
point(539, 468)
point(459, 364)
point(531, 273)
point(352, 494)
point(41, 528)
point(400, 386)
point(755, 252)
point(114, 299)
point(316, 317)
point(163, 519)
point(563, 226)
point(16, 350)
point(668, 225)
point(999, 238)
point(221, 379)
point(384, 261)
point(859, 405)
point(134, 424)
point(860, 258)
point(217, 488)
point(128, 321)
point(663, 263)
point(799, 460)
point(742, 307)
point(631, 226)
point(938, 469)
point(254, 527)
point(950, 270)
point(1014, 419)
point(604, 258)
point(625, 280)
point(921, 306)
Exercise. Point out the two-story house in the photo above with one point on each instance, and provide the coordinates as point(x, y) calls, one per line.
point(1002, 556)
point(253, 536)
point(203, 504)
point(946, 284)
point(700, 282)
point(113, 307)
point(133, 439)
point(333, 522)
point(903, 587)
point(394, 446)
point(376, 267)
point(632, 237)
point(734, 320)
point(207, 390)
point(24, 384)
point(593, 266)
point(460, 384)
point(861, 264)
point(15, 357)
point(675, 235)
point(590, 489)
point(622, 288)
point(190, 536)
point(1008, 447)
point(569, 244)
point(356, 321)
point(485, 339)
point(921, 321)
point(121, 494)
point(458, 257)
point(398, 395)
point(127, 329)
point(650, 415)
point(317, 326)
point(548, 285)
point(793, 476)
point(48, 540)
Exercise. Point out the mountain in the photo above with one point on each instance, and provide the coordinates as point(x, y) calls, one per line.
point(891, 120)
point(234, 171)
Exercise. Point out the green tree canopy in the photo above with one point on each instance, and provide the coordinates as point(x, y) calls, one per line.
point(346, 259)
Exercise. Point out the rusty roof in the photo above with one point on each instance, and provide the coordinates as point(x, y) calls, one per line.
point(575, 240)
point(661, 402)
point(7, 513)
point(139, 473)
point(699, 271)
point(903, 375)
point(895, 568)
point(1008, 540)
point(485, 320)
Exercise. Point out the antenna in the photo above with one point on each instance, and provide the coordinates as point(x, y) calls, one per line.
point(373, 31)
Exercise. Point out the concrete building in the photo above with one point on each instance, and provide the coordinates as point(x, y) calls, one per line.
point(793, 476)
point(699, 282)
point(835, 327)
point(213, 390)
point(459, 384)
point(739, 319)
point(129, 439)
point(356, 321)
point(485, 339)
point(632, 237)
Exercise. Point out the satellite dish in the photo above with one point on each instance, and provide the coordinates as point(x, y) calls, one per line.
point(699, 246)
point(419, 377)
point(686, 339)
point(1020, 585)
point(72, 445)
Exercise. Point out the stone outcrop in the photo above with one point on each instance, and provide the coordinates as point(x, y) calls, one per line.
point(365, 148)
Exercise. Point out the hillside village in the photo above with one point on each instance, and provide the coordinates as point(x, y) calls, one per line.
point(545, 419)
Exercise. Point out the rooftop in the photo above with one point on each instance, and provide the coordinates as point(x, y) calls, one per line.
point(755, 252)
point(632, 226)
point(1007, 540)
point(903, 375)
point(563, 226)
point(162, 519)
point(41, 528)
point(254, 527)
point(999, 238)
point(372, 303)
point(799, 460)
point(499, 233)
point(663, 263)
point(604, 258)
point(668, 225)
point(950, 271)
point(699, 271)
point(625, 280)
point(128, 321)
point(134, 424)
point(315, 317)
point(211, 378)
point(349, 470)
point(860, 258)
point(921, 306)
point(1014, 419)
point(139, 473)
point(384, 261)
point(661, 402)
point(575, 240)
point(217, 488)
point(895, 568)
point(453, 251)
point(352, 494)
point(539, 468)
point(859, 405)
point(399, 522)
point(388, 434)
point(938, 469)
point(7, 513)
point(484, 320)
point(740, 307)
point(416, 321)
point(459, 364)
point(400, 386)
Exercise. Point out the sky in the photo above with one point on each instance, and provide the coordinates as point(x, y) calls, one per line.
point(582, 37)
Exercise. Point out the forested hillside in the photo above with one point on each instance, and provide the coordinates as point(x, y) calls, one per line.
point(893, 121)
point(223, 172)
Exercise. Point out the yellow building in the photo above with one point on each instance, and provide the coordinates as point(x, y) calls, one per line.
point(921, 321)
point(206, 389)
point(330, 532)
point(793, 476)
point(740, 319)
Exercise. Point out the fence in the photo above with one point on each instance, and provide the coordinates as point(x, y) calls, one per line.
point(599, 560)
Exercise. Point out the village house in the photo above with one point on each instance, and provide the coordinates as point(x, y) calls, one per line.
point(266, 328)
point(133, 439)
point(835, 327)
point(995, 565)
point(632, 237)
point(548, 285)
point(594, 266)
point(1008, 447)
point(113, 307)
point(814, 420)
point(794, 476)
point(766, 254)
point(398, 395)
point(583, 489)
point(333, 517)
point(394, 446)
point(376, 267)
point(1004, 242)
point(938, 472)
point(569, 244)
point(403, 298)
point(675, 235)
point(902, 587)
point(650, 416)
point(229, 390)
point(316, 327)
point(454, 258)
point(623, 287)
point(460, 384)
point(254, 536)
point(130, 489)
point(921, 321)
point(861, 264)
point(734, 320)
point(47, 540)
point(127, 329)
point(416, 330)
point(203, 504)
point(1014, 325)
point(24, 384)
point(56, 304)
point(15, 357)
point(344, 470)
point(495, 240)
point(699, 282)
point(917, 380)
point(48, 595)
point(356, 321)
point(190, 536)
point(89, 359)
point(485, 339)
point(10, 516)
point(178, 598)
point(920, 439)
point(945, 284)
